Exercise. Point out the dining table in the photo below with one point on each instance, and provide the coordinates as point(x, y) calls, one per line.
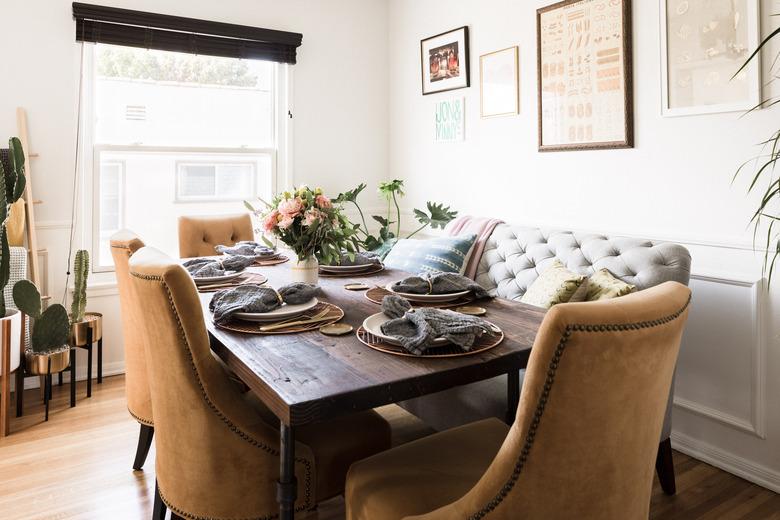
point(309, 377)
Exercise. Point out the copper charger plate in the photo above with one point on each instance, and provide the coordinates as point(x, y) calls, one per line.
point(368, 272)
point(334, 314)
point(273, 261)
point(377, 293)
point(483, 343)
point(245, 279)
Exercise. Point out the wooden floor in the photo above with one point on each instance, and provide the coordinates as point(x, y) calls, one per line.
point(78, 465)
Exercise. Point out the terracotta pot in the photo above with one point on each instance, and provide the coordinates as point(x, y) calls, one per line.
point(15, 318)
point(78, 330)
point(38, 364)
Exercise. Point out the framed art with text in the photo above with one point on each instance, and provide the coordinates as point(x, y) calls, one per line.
point(584, 75)
point(703, 44)
point(444, 60)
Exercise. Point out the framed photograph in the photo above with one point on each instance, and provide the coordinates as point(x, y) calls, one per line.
point(450, 120)
point(444, 60)
point(584, 71)
point(499, 77)
point(703, 44)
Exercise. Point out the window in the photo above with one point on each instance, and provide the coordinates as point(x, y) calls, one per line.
point(177, 134)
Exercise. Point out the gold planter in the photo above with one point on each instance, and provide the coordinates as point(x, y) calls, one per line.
point(38, 364)
point(78, 330)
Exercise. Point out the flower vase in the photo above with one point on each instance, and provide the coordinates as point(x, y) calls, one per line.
point(306, 270)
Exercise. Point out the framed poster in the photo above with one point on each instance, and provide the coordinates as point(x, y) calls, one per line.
point(584, 74)
point(703, 44)
point(499, 93)
point(450, 120)
point(444, 60)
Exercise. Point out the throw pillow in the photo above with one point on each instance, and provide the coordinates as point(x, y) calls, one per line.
point(555, 285)
point(443, 254)
point(604, 285)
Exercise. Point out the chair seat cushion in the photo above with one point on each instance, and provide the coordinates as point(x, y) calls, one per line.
point(423, 475)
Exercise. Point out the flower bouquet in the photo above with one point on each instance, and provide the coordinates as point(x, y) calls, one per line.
point(310, 224)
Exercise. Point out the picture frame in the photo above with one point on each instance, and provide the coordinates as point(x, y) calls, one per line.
point(499, 83)
point(444, 61)
point(585, 84)
point(697, 80)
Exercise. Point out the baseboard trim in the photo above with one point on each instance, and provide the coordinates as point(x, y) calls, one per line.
point(109, 369)
point(748, 470)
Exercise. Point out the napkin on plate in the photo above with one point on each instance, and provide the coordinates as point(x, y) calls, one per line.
point(439, 283)
point(417, 329)
point(254, 298)
point(364, 258)
point(203, 267)
point(247, 248)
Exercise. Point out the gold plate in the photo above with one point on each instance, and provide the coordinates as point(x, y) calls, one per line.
point(336, 329)
point(356, 287)
point(472, 311)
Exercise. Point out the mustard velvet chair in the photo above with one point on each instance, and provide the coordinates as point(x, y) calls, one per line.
point(139, 401)
point(585, 438)
point(217, 450)
point(198, 236)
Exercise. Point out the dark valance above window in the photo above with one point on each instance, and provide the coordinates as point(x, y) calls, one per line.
point(100, 24)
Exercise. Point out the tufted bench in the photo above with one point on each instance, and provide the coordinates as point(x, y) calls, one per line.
point(513, 258)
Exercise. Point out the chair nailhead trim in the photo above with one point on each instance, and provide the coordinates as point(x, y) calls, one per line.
point(147, 422)
point(306, 506)
point(534, 426)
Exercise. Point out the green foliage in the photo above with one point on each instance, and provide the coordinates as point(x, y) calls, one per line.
point(81, 272)
point(27, 298)
point(12, 172)
point(50, 328)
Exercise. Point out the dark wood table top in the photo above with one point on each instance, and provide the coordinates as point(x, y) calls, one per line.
point(310, 377)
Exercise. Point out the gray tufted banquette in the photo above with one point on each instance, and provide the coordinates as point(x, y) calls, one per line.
point(513, 258)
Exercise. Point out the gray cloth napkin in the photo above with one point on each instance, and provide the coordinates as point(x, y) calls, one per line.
point(254, 298)
point(364, 258)
point(202, 267)
point(439, 283)
point(417, 329)
point(247, 248)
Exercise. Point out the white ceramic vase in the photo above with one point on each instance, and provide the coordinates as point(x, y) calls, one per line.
point(306, 270)
point(15, 318)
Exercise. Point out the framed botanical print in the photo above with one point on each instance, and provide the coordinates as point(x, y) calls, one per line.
point(584, 75)
point(703, 44)
point(499, 92)
point(444, 60)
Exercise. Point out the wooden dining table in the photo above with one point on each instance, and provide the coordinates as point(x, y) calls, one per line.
point(309, 377)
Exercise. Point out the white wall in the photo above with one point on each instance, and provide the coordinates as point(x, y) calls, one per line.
point(340, 104)
point(674, 185)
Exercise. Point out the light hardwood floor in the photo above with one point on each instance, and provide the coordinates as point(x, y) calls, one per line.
point(78, 466)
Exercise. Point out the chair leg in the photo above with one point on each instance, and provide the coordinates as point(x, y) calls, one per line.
point(159, 506)
point(664, 466)
point(144, 443)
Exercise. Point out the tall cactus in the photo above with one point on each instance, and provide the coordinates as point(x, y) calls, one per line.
point(50, 328)
point(80, 270)
point(12, 172)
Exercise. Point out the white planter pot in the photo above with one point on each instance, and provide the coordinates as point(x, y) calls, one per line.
point(306, 270)
point(15, 318)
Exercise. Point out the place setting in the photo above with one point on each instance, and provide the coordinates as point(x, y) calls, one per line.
point(213, 274)
point(351, 265)
point(263, 255)
point(438, 290)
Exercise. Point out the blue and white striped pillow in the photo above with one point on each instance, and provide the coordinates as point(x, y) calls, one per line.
point(443, 254)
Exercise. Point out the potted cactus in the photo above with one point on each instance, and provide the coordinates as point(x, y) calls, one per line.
point(12, 173)
point(80, 320)
point(49, 351)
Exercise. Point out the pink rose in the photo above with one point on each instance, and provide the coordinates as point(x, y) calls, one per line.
point(285, 222)
point(270, 221)
point(312, 216)
point(291, 207)
point(323, 202)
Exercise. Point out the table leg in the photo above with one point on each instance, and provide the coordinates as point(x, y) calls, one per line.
point(287, 487)
point(512, 395)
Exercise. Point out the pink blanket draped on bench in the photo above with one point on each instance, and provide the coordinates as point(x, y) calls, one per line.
point(482, 227)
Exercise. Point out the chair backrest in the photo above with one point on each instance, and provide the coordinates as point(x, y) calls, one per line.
point(214, 458)
point(199, 235)
point(585, 439)
point(139, 401)
point(514, 256)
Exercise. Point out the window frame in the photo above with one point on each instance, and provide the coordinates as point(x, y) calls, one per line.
point(180, 199)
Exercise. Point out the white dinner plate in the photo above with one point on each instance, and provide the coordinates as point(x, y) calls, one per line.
point(282, 313)
point(347, 268)
point(430, 298)
point(203, 280)
point(373, 325)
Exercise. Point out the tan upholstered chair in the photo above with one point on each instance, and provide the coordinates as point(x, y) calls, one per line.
point(217, 452)
point(139, 401)
point(198, 236)
point(583, 444)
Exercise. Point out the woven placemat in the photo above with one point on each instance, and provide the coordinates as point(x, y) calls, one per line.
point(247, 278)
point(334, 314)
point(485, 342)
point(377, 293)
point(280, 259)
point(368, 272)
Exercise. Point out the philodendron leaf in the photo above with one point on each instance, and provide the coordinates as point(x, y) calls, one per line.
point(351, 195)
point(382, 221)
point(51, 330)
point(439, 215)
point(27, 298)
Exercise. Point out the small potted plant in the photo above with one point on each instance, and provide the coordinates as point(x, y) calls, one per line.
point(80, 320)
point(49, 351)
